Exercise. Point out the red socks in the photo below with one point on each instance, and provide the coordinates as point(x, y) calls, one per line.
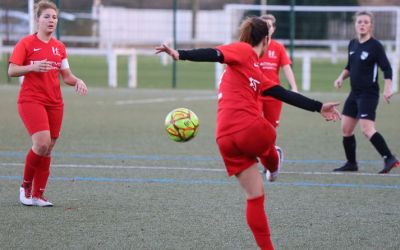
point(41, 176)
point(270, 160)
point(32, 162)
point(37, 170)
point(258, 223)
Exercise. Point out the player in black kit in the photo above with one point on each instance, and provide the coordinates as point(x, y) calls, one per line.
point(365, 54)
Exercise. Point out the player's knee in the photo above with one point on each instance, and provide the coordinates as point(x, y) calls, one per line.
point(368, 132)
point(254, 194)
point(49, 150)
point(347, 131)
point(41, 147)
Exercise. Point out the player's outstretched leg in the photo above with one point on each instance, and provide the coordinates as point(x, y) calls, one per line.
point(258, 222)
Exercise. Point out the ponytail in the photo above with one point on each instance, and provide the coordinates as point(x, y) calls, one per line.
point(253, 30)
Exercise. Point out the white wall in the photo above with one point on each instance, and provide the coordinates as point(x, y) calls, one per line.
point(123, 26)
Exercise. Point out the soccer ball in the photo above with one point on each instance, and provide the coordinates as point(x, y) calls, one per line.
point(181, 124)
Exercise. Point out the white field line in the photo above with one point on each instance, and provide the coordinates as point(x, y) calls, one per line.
point(88, 166)
point(166, 99)
point(144, 101)
point(121, 167)
point(199, 98)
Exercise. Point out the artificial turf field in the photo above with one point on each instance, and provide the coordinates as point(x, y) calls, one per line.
point(189, 75)
point(117, 182)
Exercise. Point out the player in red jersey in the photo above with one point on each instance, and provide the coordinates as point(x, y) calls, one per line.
point(242, 134)
point(40, 58)
point(271, 62)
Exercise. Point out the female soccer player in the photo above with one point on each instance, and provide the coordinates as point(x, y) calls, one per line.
point(365, 55)
point(271, 62)
point(40, 58)
point(242, 134)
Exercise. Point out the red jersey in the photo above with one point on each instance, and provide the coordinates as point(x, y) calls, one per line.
point(40, 87)
point(239, 89)
point(273, 59)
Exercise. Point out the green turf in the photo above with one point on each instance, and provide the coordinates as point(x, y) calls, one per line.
point(198, 209)
point(190, 75)
point(151, 73)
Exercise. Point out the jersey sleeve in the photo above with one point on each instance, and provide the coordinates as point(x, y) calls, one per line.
point(285, 60)
point(383, 61)
point(63, 51)
point(64, 57)
point(235, 53)
point(348, 56)
point(19, 54)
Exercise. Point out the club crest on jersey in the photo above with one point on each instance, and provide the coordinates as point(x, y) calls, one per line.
point(364, 55)
point(55, 51)
point(253, 83)
point(271, 54)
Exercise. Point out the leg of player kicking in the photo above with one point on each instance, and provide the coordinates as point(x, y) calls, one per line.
point(271, 161)
point(251, 182)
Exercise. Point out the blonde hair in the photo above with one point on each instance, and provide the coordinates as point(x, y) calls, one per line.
point(44, 5)
point(364, 13)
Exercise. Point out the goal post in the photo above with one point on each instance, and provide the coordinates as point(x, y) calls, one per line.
point(323, 27)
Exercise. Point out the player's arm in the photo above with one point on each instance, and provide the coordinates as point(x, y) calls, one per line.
point(16, 67)
point(72, 80)
point(15, 70)
point(196, 55)
point(346, 71)
point(384, 64)
point(388, 90)
point(327, 110)
point(343, 76)
point(288, 72)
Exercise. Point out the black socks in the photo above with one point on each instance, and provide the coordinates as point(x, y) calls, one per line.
point(380, 145)
point(349, 144)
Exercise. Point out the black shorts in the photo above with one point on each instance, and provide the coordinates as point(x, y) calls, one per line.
point(361, 106)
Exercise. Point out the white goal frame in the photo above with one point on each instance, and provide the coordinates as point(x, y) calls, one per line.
point(393, 54)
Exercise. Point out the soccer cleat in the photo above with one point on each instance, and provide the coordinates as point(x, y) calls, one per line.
point(273, 176)
point(25, 196)
point(348, 167)
point(389, 164)
point(41, 202)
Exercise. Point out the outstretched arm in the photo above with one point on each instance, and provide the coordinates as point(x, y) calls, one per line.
point(196, 55)
point(170, 51)
point(327, 110)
